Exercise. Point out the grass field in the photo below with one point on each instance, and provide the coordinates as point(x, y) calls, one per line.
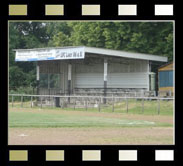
point(32, 126)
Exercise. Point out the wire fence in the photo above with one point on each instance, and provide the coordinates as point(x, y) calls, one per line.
point(143, 105)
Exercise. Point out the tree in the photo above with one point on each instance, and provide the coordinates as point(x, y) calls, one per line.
point(24, 35)
point(16, 77)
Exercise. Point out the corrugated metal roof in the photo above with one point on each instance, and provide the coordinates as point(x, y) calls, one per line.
point(125, 54)
point(165, 65)
point(108, 52)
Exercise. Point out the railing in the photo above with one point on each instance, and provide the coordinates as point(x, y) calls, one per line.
point(100, 103)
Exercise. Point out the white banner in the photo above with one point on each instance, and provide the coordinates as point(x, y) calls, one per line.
point(50, 54)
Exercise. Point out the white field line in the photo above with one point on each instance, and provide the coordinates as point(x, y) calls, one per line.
point(23, 135)
point(83, 123)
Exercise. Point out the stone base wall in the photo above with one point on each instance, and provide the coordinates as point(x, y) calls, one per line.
point(83, 97)
point(115, 92)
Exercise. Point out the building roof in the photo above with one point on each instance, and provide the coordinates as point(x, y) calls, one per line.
point(167, 66)
point(94, 50)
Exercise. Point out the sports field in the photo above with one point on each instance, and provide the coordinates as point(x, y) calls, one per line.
point(57, 126)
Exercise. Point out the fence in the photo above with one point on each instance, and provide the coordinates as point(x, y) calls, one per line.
point(147, 105)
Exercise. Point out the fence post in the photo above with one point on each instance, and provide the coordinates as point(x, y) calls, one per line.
point(99, 105)
point(142, 105)
point(170, 93)
point(126, 104)
point(74, 103)
point(22, 101)
point(41, 102)
point(31, 101)
point(12, 100)
point(112, 103)
point(158, 100)
point(154, 93)
point(86, 105)
point(53, 104)
point(63, 103)
point(135, 98)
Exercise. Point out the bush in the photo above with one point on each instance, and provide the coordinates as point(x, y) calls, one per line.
point(21, 90)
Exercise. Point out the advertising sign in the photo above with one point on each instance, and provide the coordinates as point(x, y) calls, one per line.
point(49, 54)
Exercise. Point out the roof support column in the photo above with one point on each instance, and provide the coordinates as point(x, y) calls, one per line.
point(105, 79)
point(150, 64)
point(37, 78)
point(69, 80)
point(148, 75)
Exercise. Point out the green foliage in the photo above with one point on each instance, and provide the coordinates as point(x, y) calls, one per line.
point(143, 37)
point(23, 90)
point(60, 39)
point(24, 35)
point(16, 76)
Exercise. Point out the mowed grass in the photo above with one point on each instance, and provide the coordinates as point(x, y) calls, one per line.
point(134, 107)
point(52, 118)
point(146, 107)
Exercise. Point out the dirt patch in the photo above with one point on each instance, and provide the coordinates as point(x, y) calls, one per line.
point(91, 136)
point(94, 135)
